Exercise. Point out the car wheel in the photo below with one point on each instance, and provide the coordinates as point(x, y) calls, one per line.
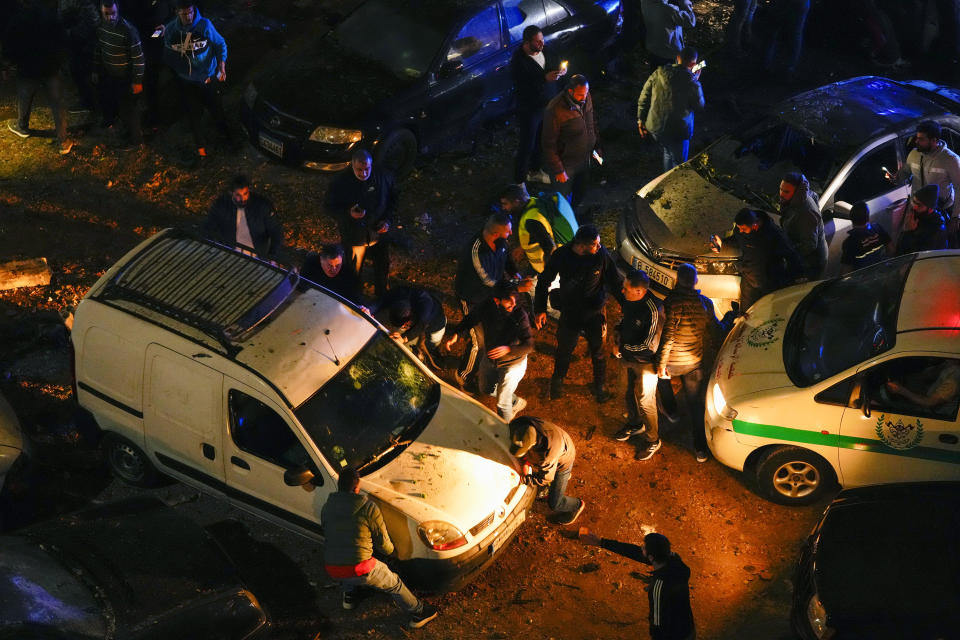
point(397, 152)
point(128, 462)
point(793, 476)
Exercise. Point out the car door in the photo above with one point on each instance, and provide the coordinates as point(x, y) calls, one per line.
point(260, 445)
point(863, 178)
point(468, 77)
point(182, 414)
point(893, 436)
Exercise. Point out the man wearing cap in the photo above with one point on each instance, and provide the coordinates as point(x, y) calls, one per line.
point(508, 339)
point(683, 353)
point(925, 225)
point(671, 617)
point(549, 452)
point(866, 243)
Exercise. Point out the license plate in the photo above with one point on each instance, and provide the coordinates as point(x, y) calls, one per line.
point(655, 274)
point(506, 533)
point(273, 146)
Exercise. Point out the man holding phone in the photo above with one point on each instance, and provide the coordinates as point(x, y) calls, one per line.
point(535, 72)
point(667, 104)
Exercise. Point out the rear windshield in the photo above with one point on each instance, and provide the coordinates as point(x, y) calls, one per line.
point(843, 322)
point(372, 409)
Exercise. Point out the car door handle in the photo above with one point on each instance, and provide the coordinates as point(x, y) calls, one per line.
point(239, 462)
point(948, 438)
point(209, 452)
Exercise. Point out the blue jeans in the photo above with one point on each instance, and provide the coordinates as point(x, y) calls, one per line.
point(501, 382)
point(674, 152)
point(790, 18)
point(556, 499)
point(383, 579)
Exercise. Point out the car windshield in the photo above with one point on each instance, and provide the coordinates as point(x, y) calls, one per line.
point(842, 322)
point(751, 163)
point(406, 47)
point(376, 405)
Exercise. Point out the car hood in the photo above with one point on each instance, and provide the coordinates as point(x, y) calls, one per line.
point(327, 85)
point(751, 358)
point(458, 470)
point(683, 210)
point(36, 589)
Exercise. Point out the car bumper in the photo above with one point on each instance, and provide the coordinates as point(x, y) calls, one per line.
point(722, 440)
point(722, 289)
point(289, 143)
point(450, 574)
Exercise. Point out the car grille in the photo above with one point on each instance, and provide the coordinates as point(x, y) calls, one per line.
point(483, 524)
point(671, 261)
point(275, 120)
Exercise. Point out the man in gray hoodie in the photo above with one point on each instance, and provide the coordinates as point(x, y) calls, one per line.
point(801, 221)
point(666, 105)
point(352, 527)
point(931, 162)
point(665, 20)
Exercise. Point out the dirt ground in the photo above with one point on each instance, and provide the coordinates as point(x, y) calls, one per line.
point(84, 211)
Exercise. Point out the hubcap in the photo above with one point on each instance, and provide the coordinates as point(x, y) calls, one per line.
point(126, 461)
point(796, 479)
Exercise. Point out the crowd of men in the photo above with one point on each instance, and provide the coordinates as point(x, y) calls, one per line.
point(665, 348)
point(115, 51)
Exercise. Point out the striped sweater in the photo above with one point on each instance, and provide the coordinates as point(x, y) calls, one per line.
point(118, 51)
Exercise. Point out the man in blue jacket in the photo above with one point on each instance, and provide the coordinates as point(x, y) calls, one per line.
point(198, 56)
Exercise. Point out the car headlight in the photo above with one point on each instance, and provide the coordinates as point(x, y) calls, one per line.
point(332, 135)
point(440, 536)
point(720, 403)
point(717, 267)
point(817, 616)
point(250, 95)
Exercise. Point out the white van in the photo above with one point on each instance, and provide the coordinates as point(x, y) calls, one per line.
point(855, 379)
point(247, 382)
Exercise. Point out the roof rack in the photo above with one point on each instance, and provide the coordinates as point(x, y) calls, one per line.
point(223, 293)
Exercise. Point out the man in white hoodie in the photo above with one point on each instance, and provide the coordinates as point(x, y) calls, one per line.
point(932, 162)
point(665, 20)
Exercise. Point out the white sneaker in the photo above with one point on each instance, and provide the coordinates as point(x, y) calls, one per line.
point(519, 404)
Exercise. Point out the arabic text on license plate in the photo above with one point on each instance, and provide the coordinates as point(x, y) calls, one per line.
point(655, 274)
point(273, 146)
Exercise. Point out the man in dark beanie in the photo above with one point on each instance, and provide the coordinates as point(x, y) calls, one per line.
point(353, 527)
point(925, 225)
point(549, 454)
point(767, 260)
point(690, 319)
point(866, 243)
point(671, 617)
point(801, 221)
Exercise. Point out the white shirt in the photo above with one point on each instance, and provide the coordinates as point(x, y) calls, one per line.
point(541, 60)
point(244, 239)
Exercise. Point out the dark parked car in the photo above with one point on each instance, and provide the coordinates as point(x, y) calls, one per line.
point(882, 563)
point(401, 76)
point(134, 569)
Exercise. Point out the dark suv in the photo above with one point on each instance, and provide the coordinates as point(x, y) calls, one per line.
point(882, 563)
point(401, 76)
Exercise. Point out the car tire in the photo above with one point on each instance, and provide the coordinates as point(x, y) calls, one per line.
point(397, 152)
point(793, 476)
point(128, 462)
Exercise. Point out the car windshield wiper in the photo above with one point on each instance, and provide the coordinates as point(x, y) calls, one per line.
point(394, 444)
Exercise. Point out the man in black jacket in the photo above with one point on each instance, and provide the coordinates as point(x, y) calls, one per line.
point(586, 273)
point(364, 201)
point(671, 617)
point(767, 259)
point(638, 336)
point(413, 316)
point(246, 221)
point(535, 73)
point(508, 338)
point(328, 269)
point(690, 319)
point(569, 137)
point(925, 225)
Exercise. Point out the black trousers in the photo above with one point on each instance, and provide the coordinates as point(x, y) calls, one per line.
point(117, 98)
point(528, 146)
point(574, 188)
point(594, 328)
point(380, 255)
point(194, 98)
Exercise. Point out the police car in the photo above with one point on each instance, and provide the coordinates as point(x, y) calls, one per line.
point(854, 380)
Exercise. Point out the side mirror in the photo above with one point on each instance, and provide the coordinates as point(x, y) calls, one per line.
point(299, 476)
point(450, 68)
point(827, 215)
